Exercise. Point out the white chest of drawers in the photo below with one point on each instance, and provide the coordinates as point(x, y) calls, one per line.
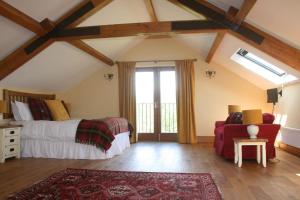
point(9, 142)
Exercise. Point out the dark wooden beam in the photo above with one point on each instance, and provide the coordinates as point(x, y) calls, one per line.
point(135, 29)
point(72, 18)
point(219, 18)
point(91, 51)
point(270, 45)
point(214, 47)
point(20, 18)
point(151, 10)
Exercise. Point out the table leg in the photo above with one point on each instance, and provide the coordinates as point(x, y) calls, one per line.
point(240, 157)
point(235, 153)
point(264, 155)
point(258, 153)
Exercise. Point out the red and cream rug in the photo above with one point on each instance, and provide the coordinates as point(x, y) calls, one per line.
point(98, 184)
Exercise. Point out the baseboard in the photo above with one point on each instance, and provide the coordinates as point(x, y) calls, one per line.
point(291, 149)
point(206, 139)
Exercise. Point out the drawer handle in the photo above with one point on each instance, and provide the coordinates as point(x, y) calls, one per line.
point(12, 132)
point(11, 140)
point(11, 149)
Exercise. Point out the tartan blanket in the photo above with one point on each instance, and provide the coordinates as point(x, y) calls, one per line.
point(101, 132)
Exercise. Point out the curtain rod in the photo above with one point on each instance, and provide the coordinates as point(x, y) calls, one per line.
point(156, 60)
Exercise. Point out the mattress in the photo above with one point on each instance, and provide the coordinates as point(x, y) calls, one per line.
point(56, 139)
point(71, 150)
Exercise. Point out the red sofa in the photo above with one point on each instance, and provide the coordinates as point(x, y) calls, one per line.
point(224, 134)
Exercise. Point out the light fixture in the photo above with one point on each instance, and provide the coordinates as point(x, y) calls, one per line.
point(210, 73)
point(252, 118)
point(109, 76)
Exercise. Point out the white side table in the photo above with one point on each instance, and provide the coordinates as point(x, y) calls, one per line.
point(9, 141)
point(240, 142)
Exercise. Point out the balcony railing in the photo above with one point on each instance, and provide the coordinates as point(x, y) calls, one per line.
point(145, 118)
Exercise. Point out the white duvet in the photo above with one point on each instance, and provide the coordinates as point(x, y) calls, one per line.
point(49, 130)
point(56, 139)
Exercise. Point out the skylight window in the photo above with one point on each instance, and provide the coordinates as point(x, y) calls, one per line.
point(262, 67)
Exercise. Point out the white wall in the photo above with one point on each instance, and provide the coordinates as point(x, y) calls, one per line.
point(288, 106)
point(96, 97)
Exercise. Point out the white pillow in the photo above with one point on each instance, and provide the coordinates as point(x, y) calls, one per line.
point(15, 112)
point(24, 111)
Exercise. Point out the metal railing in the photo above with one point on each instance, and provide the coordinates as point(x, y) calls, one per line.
point(145, 117)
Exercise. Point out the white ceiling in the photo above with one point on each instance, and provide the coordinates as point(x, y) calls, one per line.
point(41, 9)
point(12, 36)
point(279, 18)
point(225, 4)
point(57, 68)
point(114, 47)
point(60, 62)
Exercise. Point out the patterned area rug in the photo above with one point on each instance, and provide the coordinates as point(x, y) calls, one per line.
point(98, 184)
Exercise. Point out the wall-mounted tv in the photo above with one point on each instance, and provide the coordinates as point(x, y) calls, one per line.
point(272, 95)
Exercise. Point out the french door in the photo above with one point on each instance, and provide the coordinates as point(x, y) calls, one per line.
point(156, 104)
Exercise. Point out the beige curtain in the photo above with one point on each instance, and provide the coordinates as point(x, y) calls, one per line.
point(185, 82)
point(127, 105)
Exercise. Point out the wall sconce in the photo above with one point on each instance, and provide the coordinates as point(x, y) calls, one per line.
point(109, 76)
point(210, 73)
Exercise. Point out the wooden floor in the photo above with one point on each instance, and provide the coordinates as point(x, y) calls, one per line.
point(277, 181)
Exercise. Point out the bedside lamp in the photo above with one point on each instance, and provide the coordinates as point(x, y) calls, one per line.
point(252, 118)
point(234, 108)
point(3, 107)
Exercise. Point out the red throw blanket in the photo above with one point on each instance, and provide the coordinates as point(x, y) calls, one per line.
point(101, 132)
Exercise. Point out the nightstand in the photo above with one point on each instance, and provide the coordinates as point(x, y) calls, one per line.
point(9, 141)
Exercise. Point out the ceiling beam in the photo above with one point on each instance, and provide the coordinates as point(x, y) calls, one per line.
point(151, 10)
point(234, 15)
point(48, 25)
point(91, 51)
point(72, 18)
point(203, 9)
point(244, 10)
point(137, 29)
point(214, 47)
point(20, 18)
point(270, 45)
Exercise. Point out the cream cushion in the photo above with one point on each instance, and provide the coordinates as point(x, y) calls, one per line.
point(24, 111)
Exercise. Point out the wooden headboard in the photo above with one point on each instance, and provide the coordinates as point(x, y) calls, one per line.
point(12, 96)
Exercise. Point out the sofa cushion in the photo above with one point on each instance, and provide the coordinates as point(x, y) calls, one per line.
point(268, 118)
point(234, 118)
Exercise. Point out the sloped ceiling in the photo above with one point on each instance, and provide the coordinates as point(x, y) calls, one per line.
point(57, 68)
point(61, 66)
point(278, 18)
point(230, 45)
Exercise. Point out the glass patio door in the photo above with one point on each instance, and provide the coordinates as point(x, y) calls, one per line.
point(156, 104)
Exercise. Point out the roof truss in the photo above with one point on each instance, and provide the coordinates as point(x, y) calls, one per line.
point(270, 45)
point(233, 15)
point(151, 10)
point(64, 29)
point(72, 18)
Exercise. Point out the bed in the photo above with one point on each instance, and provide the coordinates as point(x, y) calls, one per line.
point(56, 139)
